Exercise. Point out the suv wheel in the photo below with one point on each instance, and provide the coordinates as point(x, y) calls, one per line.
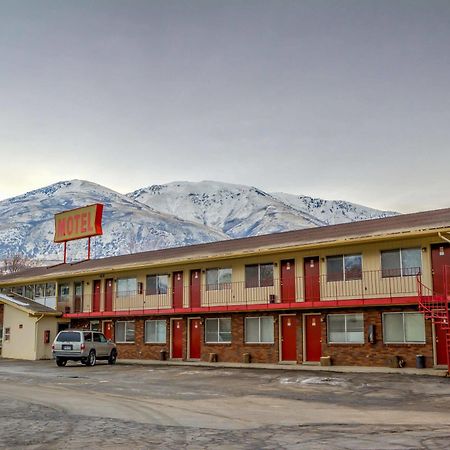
point(91, 360)
point(112, 357)
point(61, 362)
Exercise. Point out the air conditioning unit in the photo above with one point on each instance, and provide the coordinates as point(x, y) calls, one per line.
point(272, 298)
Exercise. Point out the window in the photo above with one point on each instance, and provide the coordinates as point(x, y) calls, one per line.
point(125, 331)
point(218, 331)
point(50, 289)
point(259, 330)
point(402, 328)
point(29, 291)
point(155, 331)
point(218, 279)
point(99, 337)
point(344, 267)
point(39, 290)
point(157, 284)
point(126, 286)
point(259, 275)
point(7, 334)
point(402, 262)
point(63, 292)
point(346, 329)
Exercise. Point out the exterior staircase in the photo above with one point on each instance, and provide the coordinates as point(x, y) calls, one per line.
point(434, 306)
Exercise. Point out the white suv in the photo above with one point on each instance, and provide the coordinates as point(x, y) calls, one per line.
point(83, 345)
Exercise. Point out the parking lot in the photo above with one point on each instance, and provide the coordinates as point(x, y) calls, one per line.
point(175, 407)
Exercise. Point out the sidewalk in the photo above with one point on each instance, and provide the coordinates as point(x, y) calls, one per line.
point(291, 367)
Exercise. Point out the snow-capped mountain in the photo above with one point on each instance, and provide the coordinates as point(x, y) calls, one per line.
point(27, 225)
point(331, 212)
point(161, 216)
point(241, 211)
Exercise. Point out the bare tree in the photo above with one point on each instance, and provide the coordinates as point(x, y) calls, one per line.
point(16, 263)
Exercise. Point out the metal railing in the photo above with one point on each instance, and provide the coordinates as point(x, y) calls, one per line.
point(369, 285)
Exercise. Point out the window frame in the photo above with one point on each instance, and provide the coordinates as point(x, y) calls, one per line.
point(346, 342)
point(148, 341)
point(343, 275)
point(127, 293)
point(158, 290)
point(125, 332)
point(404, 314)
point(398, 272)
point(220, 285)
point(219, 320)
point(259, 330)
point(258, 284)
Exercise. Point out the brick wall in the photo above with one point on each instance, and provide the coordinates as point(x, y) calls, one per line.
point(377, 354)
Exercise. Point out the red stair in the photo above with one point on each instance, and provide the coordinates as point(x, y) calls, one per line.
point(434, 306)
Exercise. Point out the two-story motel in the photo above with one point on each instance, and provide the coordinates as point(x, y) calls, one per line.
point(350, 292)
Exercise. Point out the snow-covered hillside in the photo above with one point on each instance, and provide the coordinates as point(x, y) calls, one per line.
point(241, 211)
point(331, 212)
point(27, 226)
point(161, 216)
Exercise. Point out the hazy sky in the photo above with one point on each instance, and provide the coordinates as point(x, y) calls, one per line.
point(338, 99)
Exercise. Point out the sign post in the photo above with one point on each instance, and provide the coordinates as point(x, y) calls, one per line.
point(78, 223)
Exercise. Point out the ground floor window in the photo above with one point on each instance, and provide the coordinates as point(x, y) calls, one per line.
point(346, 329)
point(259, 330)
point(124, 331)
point(218, 331)
point(155, 331)
point(403, 328)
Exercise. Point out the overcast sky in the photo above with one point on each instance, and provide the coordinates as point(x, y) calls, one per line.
point(338, 99)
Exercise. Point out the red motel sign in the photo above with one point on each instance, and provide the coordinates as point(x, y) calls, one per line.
point(79, 223)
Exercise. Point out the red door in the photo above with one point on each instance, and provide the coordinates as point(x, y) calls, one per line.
point(288, 281)
point(177, 338)
point(440, 257)
point(177, 285)
point(288, 338)
point(441, 345)
point(313, 338)
point(195, 338)
point(195, 289)
point(312, 279)
point(109, 294)
point(96, 296)
point(107, 330)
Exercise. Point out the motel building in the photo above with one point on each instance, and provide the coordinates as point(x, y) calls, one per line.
point(370, 293)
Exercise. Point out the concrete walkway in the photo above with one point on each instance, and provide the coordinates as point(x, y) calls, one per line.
point(294, 367)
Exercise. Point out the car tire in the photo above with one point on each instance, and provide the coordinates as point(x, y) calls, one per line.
point(112, 357)
point(91, 359)
point(61, 362)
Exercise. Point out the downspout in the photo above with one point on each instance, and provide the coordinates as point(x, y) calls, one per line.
point(36, 334)
point(443, 237)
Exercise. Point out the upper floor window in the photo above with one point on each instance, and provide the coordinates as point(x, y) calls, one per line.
point(126, 286)
point(157, 284)
point(218, 279)
point(39, 290)
point(50, 289)
point(344, 267)
point(63, 291)
point(403, 328)
point(401, 262)
point(259, 275)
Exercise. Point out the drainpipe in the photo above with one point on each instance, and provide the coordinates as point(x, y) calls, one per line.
point(443, 237)
point(36, 334)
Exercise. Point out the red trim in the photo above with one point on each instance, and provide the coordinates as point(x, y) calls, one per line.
point(391, 301)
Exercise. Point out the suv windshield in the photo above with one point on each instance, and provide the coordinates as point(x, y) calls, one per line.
point(69, 336)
